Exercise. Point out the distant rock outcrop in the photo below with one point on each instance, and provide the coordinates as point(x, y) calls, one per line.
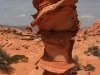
point(94, 29)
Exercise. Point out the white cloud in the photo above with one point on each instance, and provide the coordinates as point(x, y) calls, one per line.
point(5, 15)
point(87, 16)
point(17, 10)
point(22, 15)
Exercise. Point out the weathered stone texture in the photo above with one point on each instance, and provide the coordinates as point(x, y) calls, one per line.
point(58, 23)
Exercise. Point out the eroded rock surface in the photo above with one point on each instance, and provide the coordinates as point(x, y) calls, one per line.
point(94, 29)
point(58, 23)
point(56, 15)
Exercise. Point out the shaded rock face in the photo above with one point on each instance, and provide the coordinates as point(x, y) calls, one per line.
point(58, 23)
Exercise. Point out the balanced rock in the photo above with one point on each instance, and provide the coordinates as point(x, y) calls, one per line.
point(58, 24)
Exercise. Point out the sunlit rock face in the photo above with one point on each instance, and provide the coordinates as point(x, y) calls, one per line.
point(58, 23)
point(56, 14)
point(94, 29)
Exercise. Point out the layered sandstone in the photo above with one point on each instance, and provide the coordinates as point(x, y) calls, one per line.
point(58, 23)
point(56, 15)
point(94, 29)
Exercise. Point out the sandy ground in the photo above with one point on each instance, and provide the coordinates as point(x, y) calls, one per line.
point(35, 51)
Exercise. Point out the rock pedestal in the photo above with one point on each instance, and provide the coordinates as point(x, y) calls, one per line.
point(58, 23)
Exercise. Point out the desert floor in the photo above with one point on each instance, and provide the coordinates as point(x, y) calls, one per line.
point(13, 44)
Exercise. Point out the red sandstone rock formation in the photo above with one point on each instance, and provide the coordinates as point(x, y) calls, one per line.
point(51, 15)
point(58, 23)
point(94, 29)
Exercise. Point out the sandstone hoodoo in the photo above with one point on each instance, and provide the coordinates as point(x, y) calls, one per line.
point(58, 23)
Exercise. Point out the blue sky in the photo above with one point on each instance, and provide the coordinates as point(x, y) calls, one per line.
point(18, 12)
